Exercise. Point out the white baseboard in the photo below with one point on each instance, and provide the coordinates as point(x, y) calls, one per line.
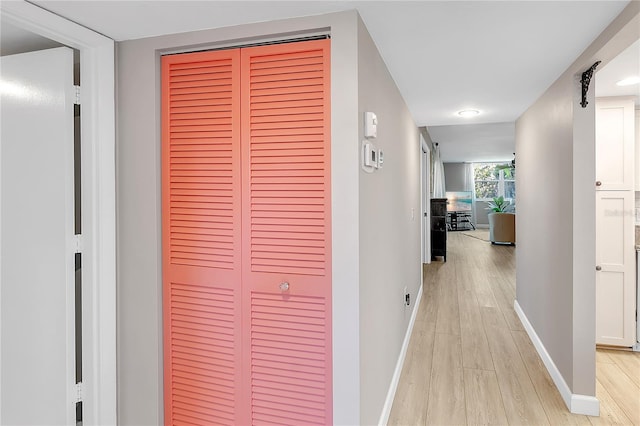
point(577, 404)
point(391, 393)
point(585, 404)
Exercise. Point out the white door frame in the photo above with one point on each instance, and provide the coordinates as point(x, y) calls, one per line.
point(98, 201)
point(425, 183)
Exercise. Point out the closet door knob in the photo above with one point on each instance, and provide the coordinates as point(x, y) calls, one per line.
point(284, 286)
point(598, 183)
point(598, 268)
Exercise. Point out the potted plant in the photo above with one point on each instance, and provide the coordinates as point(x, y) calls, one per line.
point(500, 205)
point(502, 223)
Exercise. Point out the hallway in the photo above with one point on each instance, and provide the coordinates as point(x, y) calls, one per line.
point(471, 362)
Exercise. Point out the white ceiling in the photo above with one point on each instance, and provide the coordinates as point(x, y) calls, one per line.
point(626, 64)
point(475, 142)
point(495, 56)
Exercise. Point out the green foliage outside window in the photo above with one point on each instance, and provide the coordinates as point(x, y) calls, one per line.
point(494, 180)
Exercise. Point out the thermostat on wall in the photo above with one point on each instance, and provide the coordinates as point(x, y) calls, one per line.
point(369, 157)
point(370, 125)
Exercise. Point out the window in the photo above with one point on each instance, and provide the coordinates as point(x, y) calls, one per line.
point(494, 180)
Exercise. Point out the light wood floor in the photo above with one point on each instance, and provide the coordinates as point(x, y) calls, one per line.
point(471, 362)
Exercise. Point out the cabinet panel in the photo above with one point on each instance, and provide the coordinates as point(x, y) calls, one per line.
point(615, 144)
point(439, 227)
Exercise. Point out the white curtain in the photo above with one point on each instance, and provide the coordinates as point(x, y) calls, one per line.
point(438, 175)
point(468, 177)
point(469, 185)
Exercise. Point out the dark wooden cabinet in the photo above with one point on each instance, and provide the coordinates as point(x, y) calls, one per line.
point(439, 228)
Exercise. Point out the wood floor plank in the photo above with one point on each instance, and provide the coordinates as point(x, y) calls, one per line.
point(552, 401)
point(446, 390)
point(492, 318)
point(465, 278)
point(610, 412)
point(412, 395)
point(448, 316)
point(624, 392)
point(475, 347)
point(428, 310)
point(475, 350)
point(469, 311)
point(521, 402)
point(483, 398)
point(505, 297)
point(603, 356)
point(485, 296)
point(629, 363)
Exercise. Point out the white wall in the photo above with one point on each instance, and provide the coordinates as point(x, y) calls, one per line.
point(427, 138)
point(390, 215)
point(139, 211)
point(555, 269)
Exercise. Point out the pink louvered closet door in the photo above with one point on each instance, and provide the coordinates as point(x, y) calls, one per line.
point(286, 268)
point(246, 236)
point(201, 202)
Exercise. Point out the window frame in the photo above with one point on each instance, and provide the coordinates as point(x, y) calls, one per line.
point(500, 180)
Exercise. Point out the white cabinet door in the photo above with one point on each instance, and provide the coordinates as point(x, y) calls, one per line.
point(637, 149)
point(37, 374)
point(615, 157)
point(425, 162)
point(615, 281)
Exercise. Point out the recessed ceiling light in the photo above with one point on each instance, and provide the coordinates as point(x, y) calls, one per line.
point(629, 81)
point(468, 113)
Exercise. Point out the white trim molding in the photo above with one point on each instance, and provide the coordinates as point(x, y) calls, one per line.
point(577, 404)
point(97, 72)
point(393, 386)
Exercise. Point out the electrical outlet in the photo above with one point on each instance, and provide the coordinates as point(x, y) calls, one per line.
point(406, 297)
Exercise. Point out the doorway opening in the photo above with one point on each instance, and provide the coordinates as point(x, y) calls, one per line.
point(91, 278)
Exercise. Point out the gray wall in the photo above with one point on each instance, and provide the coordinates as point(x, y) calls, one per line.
point(454, 174)
point(556, 238)
point(139, 287)
point(544, 261)
point(481, 213)
point(389, 229)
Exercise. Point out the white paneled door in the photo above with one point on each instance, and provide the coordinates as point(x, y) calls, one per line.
point(615, 277)
point(615, 232)
point(37, 374)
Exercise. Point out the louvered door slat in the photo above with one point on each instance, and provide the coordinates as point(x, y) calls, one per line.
point(286, 232)
point(201, 232)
